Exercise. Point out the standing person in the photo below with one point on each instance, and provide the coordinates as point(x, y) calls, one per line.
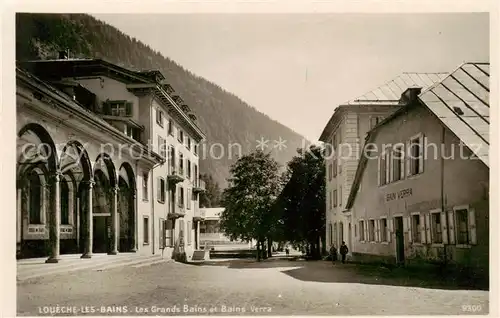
point(333, 253)
point(343, 251)
point(287, 251)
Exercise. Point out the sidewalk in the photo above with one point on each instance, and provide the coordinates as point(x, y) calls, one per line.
point(36, 267)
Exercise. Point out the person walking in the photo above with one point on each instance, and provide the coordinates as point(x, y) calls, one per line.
point(343, 251)
point(333, 253)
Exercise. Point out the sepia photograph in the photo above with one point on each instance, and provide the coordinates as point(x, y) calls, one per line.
point(293, 163)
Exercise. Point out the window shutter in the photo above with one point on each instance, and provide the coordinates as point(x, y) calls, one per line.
point(421, 141)
point(128, 109)
point(408, 226)
point(407, 158)
point(451, 227)
point(428, 228)
point(444, 228)
point(402, 164)
point(387, 167)
point(391, 166)
point(158, 186)
point(389, 229)
point(472, 227)
point(367, 238)
point(422, 229)
point(378, 170)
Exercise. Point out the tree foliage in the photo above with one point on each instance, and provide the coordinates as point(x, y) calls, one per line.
point(254, 185)
point(302, 200)
point(211, 197)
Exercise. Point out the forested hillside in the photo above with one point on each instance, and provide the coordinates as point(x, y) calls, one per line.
point(224, 117)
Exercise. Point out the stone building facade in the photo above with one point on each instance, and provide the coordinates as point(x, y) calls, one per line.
point(421, 194)
point(344, 137)
point(107, 154)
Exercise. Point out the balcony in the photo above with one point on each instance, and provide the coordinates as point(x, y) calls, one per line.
point(175, 175)
point(178, 212)
point(199, 214)
point(199, 186)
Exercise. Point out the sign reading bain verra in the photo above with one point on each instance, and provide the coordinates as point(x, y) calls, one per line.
point(398, 195)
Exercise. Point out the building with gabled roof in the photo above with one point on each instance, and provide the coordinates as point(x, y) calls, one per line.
point(344, 134)
point(421, 188)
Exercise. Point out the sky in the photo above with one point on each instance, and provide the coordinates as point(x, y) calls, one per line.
point(297, 68)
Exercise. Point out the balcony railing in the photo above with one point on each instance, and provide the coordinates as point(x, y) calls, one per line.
point(199, 186)
point(178, 212)
point(175, 174)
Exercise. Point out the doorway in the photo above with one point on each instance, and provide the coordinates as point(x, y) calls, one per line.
point(400, 240)
point(101, 230)
point(196, 224)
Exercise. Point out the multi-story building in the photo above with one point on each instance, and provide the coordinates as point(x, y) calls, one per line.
point(344, 137)
point(422, 191)
point(125, 153)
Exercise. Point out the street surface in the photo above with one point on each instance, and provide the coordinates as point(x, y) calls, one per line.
point(275, 287)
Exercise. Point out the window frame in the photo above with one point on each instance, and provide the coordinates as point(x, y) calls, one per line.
point(145, 188)
point(361, 225)
point(145, 230)
point(159, 117)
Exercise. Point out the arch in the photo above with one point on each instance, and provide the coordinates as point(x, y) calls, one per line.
point(44, 136)
point(129, 173)
point(110, 168)
point(83, 159)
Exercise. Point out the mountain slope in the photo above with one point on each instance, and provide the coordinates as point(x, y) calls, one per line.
point(224, 117)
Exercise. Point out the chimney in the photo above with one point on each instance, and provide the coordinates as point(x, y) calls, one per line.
point(64, 55)
point(410, 95)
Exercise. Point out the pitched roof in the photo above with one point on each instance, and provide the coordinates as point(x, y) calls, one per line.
point(388, 94)
point(461, 102)
point(392, 90)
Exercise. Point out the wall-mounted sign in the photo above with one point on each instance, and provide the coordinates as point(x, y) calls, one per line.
point(398, 195)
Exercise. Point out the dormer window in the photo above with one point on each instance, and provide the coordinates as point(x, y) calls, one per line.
point(120, 108)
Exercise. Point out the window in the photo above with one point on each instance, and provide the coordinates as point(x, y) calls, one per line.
point(415, 228)
point(159, 117)
point(416, 158)
point(335, 167)
point(462, 226)
point(330, 200)
point(196, 176)
point(64, 201)
point(383, 230)
point(195, 151)
point(162, 146)
point(382, 169)
point(189, 143)
point(188, 199)
point(180, 136)
point(120, 108)
point(340, 196)
point(371, 230)
point(398, 163)
point(35, 198)
point(330, 233)
point(162, 232)
point(171, 158)
point(361, 231)
point(334, 198)
point(161, 190)
point(170, 127)
point(146, 230)
point(188, 166)
point(189, 230)
point(181, 163)
point(181, 197)
point(330, 172)
point(145, 186)
point(169, 233)
point(437, 228)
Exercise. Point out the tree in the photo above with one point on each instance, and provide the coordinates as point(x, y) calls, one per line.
point(302, 201)
point(211, 197)
point(254, 185)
